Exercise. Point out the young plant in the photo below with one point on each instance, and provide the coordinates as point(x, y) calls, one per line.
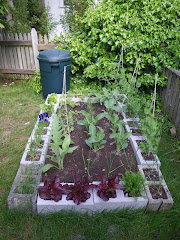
point(107, 188)
point(116, 123)
point(111, 106)
point(151, 129)
point(120, 138)
point(96, 138)
point(32, 149)
point(59, 153)
point(89, 164)
point(133, 183)
point(89, 119)
point(57, 132)
point(110, 162)
point(52, 99)
point(48, 108)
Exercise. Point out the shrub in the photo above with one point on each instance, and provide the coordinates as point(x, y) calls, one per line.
point(149, 29)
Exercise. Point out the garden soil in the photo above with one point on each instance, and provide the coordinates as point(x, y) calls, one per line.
point(99, 161)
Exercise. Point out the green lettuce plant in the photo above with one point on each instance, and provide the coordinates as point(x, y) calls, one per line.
point(52, 98)
point(133, 183)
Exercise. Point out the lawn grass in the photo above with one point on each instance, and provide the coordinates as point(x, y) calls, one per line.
point(19, 105)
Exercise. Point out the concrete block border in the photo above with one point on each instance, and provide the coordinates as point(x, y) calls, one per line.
point(138, 152)
point(33, 203)
point(93, 204)
point(160, 203)
point(24, 201)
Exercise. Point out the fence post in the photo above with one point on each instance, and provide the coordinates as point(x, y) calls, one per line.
point(34, 38)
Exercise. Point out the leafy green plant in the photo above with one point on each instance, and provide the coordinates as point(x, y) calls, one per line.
point(59, 153)
point(35, 82)
point(96, 138)
point(133, 183)
point(48, 108)
point(145, 28)
point(52, 98)
point(57, 131)
point(111, 105)
point(89, 119)
point(67, 101)
point(120, 138)
point(151, 129)
point(116, 123)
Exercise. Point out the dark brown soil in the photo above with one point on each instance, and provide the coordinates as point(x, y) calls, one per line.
point(157, 191)
point(35, 158)
point(151, 174)
point(136, 132)
point(100, 158)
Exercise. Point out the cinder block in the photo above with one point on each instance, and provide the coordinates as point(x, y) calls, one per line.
point(48, 206)
point(138, 152)
point(156, 204)
point(119, 202)
point(18, 200)
point(35, 164)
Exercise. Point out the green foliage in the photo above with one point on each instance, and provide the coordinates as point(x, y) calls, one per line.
point(35, 82)
point(27, 14)
point(74, 9)
point(133, 183)
point(32, 149)
point(149, 29)
point(39, 132)
point(96, 138)
point(48, 108)
point(60, 153)
point(151, 129)
point(52, 98)
point(89, 119)
point(4, 7)
point(120, 137)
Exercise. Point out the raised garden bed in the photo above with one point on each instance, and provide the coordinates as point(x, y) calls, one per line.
point(103, 161)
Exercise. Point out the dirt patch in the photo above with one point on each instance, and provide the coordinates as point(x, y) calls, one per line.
point(99, 161)
point(157, 191)
point(151, 174)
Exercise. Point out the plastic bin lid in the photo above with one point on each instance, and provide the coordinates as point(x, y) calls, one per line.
point(54, 55)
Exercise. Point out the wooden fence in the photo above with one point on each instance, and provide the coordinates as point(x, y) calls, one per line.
point(18, 53)
point(171, 97)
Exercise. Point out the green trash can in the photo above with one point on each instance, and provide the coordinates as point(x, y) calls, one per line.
point(52, 63)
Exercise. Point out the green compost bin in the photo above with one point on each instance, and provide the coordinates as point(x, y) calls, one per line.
point(52, 63)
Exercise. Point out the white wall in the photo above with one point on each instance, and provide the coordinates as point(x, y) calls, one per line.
point(56, 8)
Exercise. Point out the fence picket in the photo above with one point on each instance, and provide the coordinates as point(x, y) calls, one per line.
point(171, 97)
point(19, 53)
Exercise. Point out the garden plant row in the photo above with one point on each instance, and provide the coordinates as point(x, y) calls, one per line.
point(109, 193)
